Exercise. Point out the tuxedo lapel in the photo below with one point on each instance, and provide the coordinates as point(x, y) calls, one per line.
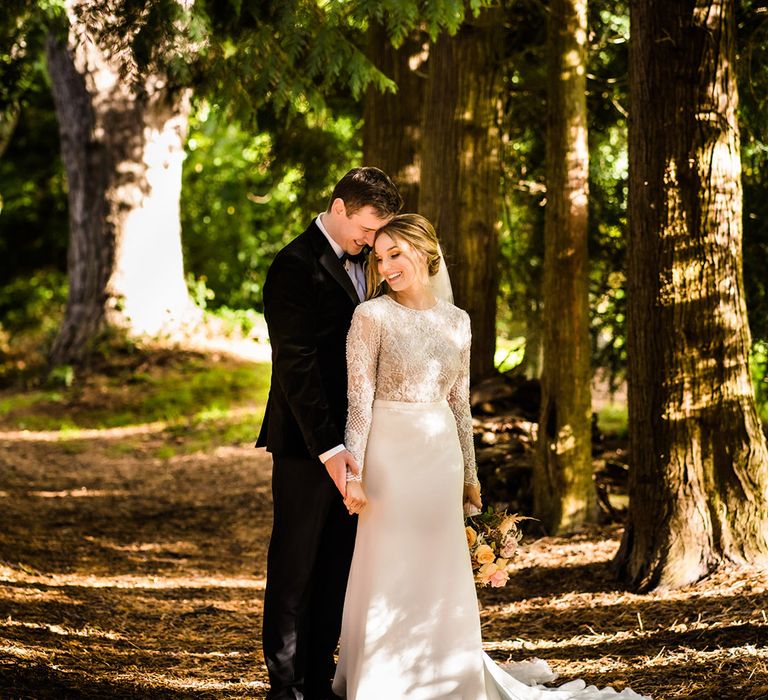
point(331, 263)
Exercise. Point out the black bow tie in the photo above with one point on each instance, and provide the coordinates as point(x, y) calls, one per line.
point(359, 258)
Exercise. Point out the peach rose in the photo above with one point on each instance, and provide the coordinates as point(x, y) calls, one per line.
point(471, 536)
point(486, 573)
point(484, 554)
point(499, 578)
point(508, 547)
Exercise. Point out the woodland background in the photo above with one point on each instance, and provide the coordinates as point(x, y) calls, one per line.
point(597, 175)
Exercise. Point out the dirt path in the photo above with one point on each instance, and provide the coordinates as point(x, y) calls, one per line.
point(128, 576)
point(131, 577)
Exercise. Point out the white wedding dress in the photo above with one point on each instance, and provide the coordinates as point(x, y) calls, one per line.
point(411, 627)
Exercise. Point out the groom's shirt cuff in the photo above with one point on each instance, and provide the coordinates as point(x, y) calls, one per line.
point(330, 453)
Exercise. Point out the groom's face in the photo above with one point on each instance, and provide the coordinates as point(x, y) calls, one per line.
point(353, 231)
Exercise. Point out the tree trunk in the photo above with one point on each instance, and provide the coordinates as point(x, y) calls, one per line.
point(533, 356)
point(460, 173)
point(392, 123)
point(8, 122)
point(122, 151)
point(699, 475)
point(564, 494)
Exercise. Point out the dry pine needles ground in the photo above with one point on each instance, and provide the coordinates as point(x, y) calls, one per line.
point(123, 575)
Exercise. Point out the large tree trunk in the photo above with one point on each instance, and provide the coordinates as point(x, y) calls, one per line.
point(122, 151)
point(699, 474)
point(533, 355)
point(460, 173)
point(392, 122)
point(8, 121)
point(564, 494)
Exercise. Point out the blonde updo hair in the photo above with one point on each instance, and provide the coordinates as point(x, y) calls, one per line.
point(413, 229)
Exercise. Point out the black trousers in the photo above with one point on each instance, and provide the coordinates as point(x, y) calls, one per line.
point(310, 551)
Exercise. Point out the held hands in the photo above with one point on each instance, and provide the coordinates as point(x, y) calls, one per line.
point(355, 500)
point(472, 497)
point(336, 467)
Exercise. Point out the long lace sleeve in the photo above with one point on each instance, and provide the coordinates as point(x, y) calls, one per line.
point(362, 360)
point(458, 399)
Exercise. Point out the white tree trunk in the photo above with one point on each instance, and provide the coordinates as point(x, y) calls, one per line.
point(122, 147)
point(148, 274)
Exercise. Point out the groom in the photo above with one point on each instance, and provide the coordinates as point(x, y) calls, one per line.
point(310, 293)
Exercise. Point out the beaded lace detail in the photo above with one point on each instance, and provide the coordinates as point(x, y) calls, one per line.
point(418, 356)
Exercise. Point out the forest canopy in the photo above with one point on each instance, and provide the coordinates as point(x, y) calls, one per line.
point(255, 168)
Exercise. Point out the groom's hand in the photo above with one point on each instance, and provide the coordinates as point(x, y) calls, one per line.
point(337, 466)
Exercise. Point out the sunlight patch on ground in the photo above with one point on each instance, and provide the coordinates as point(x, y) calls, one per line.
point(177, 547)
point(82, 433)
point(152, 428)
point(578, 600)
point(599, 638)
point(159, 680)
point(129, 581)
point(686, 656)
point(82, 492)
point(190, 606)
point(244, 349)
point(15, 649)
point(21, 652)
point(63, 631)
point(566, 554)
point(36, 595)
point(198, 654)
point(569, 601)
point(692, 663)
point(246, 450)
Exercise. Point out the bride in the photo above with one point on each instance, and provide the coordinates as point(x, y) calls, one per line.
point(411, 627)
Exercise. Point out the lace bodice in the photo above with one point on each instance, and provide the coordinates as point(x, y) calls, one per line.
point(401, 354)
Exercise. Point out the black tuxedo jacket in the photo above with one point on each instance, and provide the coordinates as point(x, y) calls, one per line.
point(308, 304)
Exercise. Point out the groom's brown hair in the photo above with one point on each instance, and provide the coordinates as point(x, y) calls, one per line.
point(368, 186)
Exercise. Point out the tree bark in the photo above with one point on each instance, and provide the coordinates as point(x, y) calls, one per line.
point(699, 475)
point(460, 173)
point(122, 150)
point(533, 356)
point(564, 494)
point(8, 122)
point(392, 123)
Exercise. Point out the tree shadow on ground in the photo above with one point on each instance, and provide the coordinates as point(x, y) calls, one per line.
point(149, 584)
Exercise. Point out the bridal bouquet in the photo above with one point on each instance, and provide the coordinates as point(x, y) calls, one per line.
point(493, 539)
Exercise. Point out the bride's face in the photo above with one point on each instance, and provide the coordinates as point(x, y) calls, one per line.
point(399, 263)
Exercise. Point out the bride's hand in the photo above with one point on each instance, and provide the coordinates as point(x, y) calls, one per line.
point(355, 500)
point(471, 495)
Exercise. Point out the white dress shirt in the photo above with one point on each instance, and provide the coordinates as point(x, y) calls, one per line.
point(357, 276)
point(354, 270)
